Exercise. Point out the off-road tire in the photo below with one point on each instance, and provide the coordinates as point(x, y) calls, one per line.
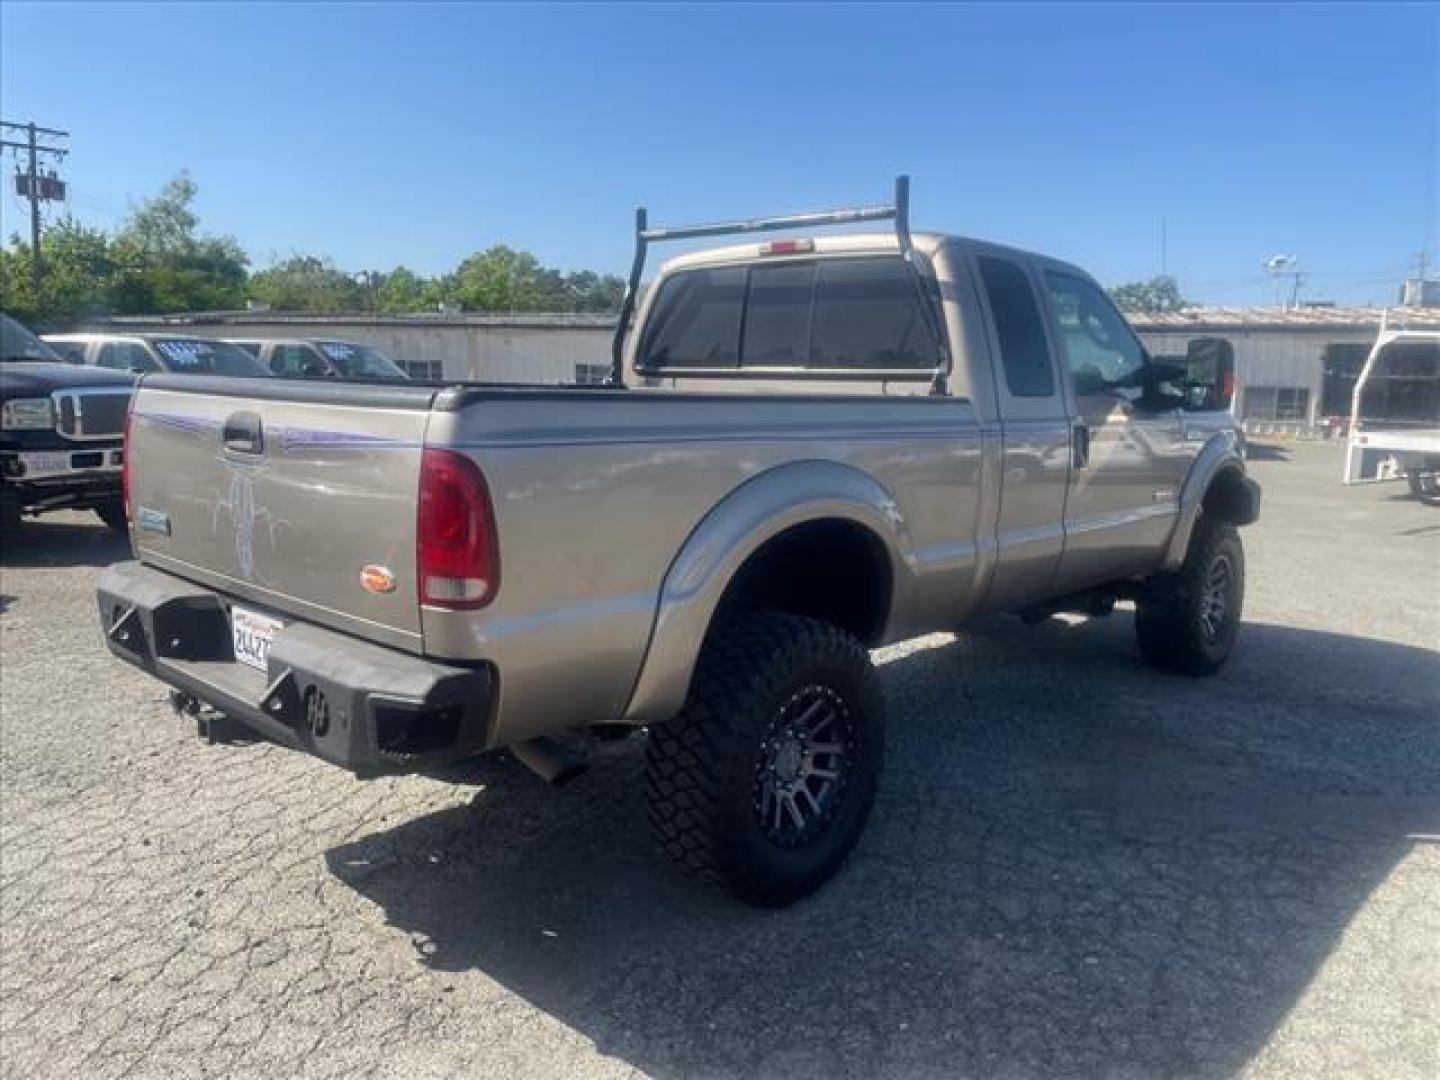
point(113, 515)
point(1177, 623)
point(705, 772)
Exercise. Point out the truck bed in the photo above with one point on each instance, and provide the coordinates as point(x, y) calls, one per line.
point(595, 491)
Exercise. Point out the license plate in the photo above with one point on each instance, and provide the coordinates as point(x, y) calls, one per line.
point(252, 634)
point(42, 463)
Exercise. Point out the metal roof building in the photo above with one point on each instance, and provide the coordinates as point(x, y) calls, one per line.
point(1294, 367)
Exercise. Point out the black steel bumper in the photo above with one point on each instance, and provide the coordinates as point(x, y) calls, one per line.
point(361, 706)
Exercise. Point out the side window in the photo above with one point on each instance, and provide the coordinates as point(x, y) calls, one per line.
point(252, 347)
point(291, 361)
point(72, 352)
point(1018, 328)
point(695, 321)
point(868, 315)
point(1103, 353)
point(125, 356)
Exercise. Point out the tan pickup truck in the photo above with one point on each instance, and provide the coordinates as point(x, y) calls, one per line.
point(809, 447)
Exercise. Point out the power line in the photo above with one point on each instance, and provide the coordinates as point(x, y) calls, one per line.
point(33, 185)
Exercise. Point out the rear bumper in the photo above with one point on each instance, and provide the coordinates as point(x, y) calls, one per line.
point(361, 706)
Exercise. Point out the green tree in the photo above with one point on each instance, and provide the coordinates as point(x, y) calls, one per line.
point(589, 291)
point(1157, 295)
point(499, 279)
point(166, 265)
point(79, 279)
point(307, 283)
point(402, 291)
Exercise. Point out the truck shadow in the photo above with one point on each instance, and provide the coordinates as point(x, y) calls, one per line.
point(68, 542)
point(1076, 867)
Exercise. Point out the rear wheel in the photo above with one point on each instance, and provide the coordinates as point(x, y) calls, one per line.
point(113, 515)
point(765, 780)
point(1190, 619)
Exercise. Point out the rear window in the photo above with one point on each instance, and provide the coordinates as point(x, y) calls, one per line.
point(862, 314)
point(696, 320)
point(208, 358)
point(868, 315)
point(1404, 385)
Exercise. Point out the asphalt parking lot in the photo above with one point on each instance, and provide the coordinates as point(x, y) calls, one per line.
point(1077, 868)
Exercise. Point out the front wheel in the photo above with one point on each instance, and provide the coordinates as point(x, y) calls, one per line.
point(764, 781)
point(1190, 619)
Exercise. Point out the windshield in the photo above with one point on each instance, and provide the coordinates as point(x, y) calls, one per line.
point(191, 357)
point(18, 343)
point(360, 361)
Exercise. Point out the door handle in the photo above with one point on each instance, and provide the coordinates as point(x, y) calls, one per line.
point(1080, 445)
point(243, 434)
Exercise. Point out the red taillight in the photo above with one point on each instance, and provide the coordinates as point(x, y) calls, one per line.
point(126, 493)
point(457, 558)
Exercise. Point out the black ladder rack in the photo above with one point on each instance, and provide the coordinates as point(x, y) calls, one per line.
point(898, 212)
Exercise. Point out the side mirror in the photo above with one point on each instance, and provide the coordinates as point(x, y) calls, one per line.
point(1209, 375)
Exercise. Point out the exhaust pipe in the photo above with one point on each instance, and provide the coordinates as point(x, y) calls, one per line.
point(548, 759)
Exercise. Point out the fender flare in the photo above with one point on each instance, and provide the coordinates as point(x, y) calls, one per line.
point(735, 528)
point(1220, 454)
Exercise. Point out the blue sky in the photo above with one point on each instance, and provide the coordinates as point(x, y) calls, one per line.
point(386, 134)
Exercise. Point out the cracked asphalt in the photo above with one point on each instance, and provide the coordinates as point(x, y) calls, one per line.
point(1077, 867)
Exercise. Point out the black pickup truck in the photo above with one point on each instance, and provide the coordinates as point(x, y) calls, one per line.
point(62, 431)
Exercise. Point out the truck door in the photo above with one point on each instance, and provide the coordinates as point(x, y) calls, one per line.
point(1035, 434)
point(1129, 457)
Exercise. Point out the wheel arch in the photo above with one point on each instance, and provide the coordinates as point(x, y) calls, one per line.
point(777, 538)
point(1217, 485)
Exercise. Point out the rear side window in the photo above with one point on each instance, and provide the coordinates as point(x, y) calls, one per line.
point(696, 321)
point(830, 313)
point(1021, 335)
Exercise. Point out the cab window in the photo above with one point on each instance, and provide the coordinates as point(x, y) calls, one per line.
point(1024, 354)
point(1102, 351)
point(72, 352)
point(125, 356)
point(296, 362)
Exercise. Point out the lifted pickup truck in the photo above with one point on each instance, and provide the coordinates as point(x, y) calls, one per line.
point(825, 444)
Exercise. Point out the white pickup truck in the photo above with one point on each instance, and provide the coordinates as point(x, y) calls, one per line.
point(808, 448)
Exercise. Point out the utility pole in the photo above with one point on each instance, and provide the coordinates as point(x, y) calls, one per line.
point(34, 186)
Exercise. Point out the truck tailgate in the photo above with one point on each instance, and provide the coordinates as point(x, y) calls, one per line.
point(281, 493)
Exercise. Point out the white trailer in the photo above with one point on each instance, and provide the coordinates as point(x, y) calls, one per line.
point(1395, 413)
